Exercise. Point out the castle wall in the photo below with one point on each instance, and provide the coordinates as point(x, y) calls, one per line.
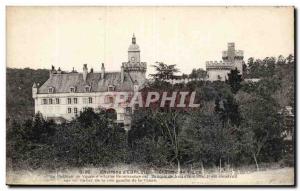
point(231, 59)
point(214, 75)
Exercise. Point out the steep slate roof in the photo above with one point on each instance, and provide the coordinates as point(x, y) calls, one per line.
point(63, 82)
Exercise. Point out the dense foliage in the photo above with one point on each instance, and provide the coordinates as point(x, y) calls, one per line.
point(19, 83)
point(42, 144)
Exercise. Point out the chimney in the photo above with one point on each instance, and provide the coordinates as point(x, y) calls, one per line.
point(59, 70)
point(85, 71)
point(52, 71)
point(122, 73)
point(102, 71)
point(92, 70)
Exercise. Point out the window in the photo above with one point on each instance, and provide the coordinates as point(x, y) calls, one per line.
point(51, 90)
point(44, 101)
point(111, 88)
point(69, 110)
point(72, 89)
point(90, 100)
point(75, 100)
point(50, 101)
point(136, 106)
point(75, 110)
point(128, 110)
point(57, 100)
point(87, 88)
point(85, 100)
point(69, 101)
point(109, 99)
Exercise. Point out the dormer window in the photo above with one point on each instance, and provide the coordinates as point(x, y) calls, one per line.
point(72, 89)
point(111, 88)
point(51, 90)
point(87, 88)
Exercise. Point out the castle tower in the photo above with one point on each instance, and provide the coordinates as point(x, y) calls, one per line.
point(135, 68)
point(234, 57)
point(134, 51)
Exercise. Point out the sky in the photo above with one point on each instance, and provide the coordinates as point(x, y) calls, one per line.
point(67, 37)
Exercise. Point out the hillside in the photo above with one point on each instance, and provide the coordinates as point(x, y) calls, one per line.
point(19, 102)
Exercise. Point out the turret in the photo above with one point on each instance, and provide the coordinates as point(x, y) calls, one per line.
point(231, 51)
point(234, 57)
point(133, 51)
point(133, 39)
point(85, 72)
point(34, 90)
point(135, 68)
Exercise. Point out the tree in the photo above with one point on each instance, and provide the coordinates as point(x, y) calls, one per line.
point(234, 80)
point(160, 129)
point(198, 73)
point(208, 141)
point(260, 123)
point(147, 145)
point(164, 71)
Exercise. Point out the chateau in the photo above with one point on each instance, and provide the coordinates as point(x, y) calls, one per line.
point(231, 59)
point(64, 95)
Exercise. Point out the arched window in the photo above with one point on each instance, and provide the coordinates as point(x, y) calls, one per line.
point(87, 88)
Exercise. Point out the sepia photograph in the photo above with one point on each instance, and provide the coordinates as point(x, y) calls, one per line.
point(150, 95)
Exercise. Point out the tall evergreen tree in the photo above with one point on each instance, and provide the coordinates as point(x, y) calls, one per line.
point(234, 80)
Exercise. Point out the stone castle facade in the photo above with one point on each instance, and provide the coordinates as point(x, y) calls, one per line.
point(231, 59)
point(64, 95)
